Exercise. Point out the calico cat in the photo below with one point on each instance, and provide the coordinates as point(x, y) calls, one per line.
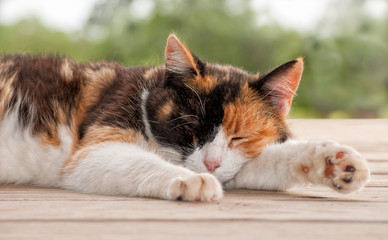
point(181, 131)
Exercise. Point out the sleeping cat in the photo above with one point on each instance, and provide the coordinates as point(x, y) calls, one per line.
point(181, 131)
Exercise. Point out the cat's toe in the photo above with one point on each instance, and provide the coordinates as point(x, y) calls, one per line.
point(345, 169)
point(197, 187)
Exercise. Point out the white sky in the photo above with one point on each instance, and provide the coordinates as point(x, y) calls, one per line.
point(295, 14)
point(69, 15)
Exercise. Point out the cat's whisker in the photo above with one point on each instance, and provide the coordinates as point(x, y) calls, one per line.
point(183, 124)
point(199, 98)
point(184, 116)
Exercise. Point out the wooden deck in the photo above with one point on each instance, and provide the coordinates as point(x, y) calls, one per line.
point(301, 213)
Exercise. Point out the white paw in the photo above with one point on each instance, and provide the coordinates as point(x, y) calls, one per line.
point(197, 187)
point(340, 167)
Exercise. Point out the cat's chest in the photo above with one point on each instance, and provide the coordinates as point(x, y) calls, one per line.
point(25, 159)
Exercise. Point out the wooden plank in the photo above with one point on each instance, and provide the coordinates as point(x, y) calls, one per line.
point(379, 167)
point(11, 193)
point(313, 204)
point(379, 181)
point(366, 135)
point(376, 156)
point(192, 230)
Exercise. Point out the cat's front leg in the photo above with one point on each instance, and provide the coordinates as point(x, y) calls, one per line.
point(126, 169)
point(281, 166)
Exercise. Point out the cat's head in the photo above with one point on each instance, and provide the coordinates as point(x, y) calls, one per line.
point(214, 117)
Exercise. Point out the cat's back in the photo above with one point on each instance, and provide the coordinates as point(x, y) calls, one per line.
point(43, 102)
point(29, 83)
point(46, 91)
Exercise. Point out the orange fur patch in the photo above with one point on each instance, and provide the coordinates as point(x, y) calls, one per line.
point(49, 140)
point(246, 118)
point(66, 70)
point(53, 138)
point(96, 81)
point(6, 89)
point(165, 110)
point(98, 134)
point(6, 92)
point(203, 84)
point(151, 73)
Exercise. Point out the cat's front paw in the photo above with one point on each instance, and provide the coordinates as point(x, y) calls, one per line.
point(197, 187)
point(340, 167)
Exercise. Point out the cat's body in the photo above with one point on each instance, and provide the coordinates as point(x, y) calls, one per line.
point(159, 131)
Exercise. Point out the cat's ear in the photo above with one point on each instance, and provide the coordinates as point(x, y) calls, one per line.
point(179, 60)
point(279, 86)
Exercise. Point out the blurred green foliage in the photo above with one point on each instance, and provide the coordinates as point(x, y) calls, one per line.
point(346, 69)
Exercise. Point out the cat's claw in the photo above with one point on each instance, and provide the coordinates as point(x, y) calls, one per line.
point(197, 187)
point(341, 167)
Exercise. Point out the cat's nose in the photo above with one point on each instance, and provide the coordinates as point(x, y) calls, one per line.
point(211, 165)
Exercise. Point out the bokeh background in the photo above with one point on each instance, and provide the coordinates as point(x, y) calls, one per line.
point(344, 43)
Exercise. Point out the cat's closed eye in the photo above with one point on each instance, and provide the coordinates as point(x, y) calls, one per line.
point(237, 138)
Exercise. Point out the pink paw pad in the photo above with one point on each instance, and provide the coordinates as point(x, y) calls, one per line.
point(343, 168)
point(330, 171)
point(340, 155)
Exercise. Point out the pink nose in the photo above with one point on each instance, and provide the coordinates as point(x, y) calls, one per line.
point(211, 165)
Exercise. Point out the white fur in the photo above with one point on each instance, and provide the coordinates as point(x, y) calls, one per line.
point(280, 166)
point(122, 168)
point(127, 169)
point(231, 162)
point(23, 158)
